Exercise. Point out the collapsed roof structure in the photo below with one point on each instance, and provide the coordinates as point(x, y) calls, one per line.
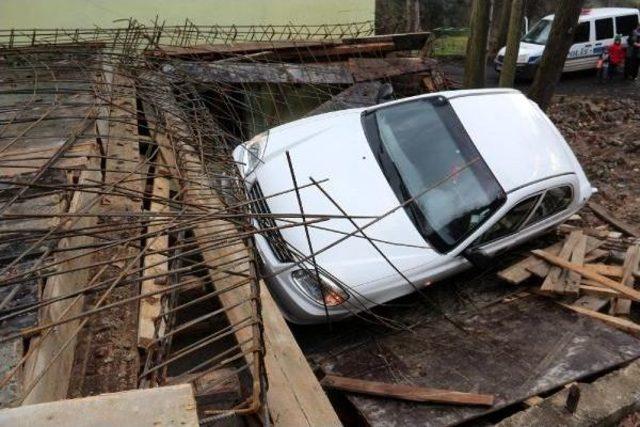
point(126, 256)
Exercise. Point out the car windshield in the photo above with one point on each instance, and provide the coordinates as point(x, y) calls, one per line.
point(539, 34)
point(447, 189)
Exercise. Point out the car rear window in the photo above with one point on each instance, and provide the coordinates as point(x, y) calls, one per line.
point(604, 29)
point(555, 200)
point(626, 24)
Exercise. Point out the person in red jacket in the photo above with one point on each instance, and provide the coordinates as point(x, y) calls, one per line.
point(616, 56)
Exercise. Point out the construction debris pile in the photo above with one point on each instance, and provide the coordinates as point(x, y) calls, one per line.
point(126, 258)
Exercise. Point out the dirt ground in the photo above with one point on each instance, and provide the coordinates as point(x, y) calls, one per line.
point(604, 132)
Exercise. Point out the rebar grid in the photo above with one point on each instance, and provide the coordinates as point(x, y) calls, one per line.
point(119, 197)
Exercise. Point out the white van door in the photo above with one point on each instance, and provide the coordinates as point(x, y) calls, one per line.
point(604, 36)
point(581, 55)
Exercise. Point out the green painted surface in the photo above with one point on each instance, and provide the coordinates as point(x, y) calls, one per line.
point(103, 13)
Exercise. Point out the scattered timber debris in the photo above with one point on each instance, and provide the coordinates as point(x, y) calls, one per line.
point(405, 392)
point(591, 270)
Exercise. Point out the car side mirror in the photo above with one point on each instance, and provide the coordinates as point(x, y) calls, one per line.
point(385, 93)
point(477, 257)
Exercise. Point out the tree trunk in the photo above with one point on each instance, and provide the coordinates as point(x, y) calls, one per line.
point(476, 60)
point(508, 74)
point(502, 28)
point(555, 53)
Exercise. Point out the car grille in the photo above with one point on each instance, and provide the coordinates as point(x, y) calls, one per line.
point(274, 238)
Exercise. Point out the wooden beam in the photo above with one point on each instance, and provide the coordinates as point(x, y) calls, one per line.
point(366, 69)
point(46, 372)
point(618, 224)
point(577, 257)
point(160, 406)
point(154, 264)
point(406, 392)
point(217, 51)
point(523, 270)
point(585, 272)
point(631, 262)
point(624, 324)
point(401, 41)
point(554, 282)
point(295, 397)
point(333, 73)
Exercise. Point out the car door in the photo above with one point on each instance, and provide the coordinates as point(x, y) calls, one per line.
point(604, 33)
point(581, 52)
point(538, 210)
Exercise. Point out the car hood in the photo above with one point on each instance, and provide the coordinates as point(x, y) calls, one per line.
point(332, 148)
point(526, 51)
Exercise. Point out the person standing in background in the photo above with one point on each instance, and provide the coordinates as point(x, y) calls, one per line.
point(616, 56)
point(632, 60)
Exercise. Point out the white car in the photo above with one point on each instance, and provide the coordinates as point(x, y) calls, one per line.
point(595, 33)
point(430, 184)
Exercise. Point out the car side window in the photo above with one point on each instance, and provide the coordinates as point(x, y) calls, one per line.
point(626, 24)
point(604, 29)
point(511, 221)
point(583, 33)
point(554, 200)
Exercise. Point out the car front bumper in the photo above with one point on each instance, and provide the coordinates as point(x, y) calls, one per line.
point(523, 71)
point(295, 304)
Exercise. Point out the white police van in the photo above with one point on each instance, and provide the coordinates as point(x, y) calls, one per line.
point(595, 32)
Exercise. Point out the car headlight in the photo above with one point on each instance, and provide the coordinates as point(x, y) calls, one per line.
point(325, 292)
point(534, 59)
point(254, 151)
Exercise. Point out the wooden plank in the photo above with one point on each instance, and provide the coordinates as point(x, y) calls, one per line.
point(333, 73)
point(598, 291)
point(554, 282)
point(213, 51)
point(151, 407)
point(154, 264)
point(577, 257)
point(53, 374)
point(406, 392)
point(295, 397)
point(522, 270)
point(591, 302)
point(365, 69)
point(623, 324)
point(585, 272)
point(618, 224)
point(324, 53)
point(631, 262)
point(401, 41)
point(615, 271)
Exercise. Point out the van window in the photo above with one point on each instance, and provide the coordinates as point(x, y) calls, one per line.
point(583, 33)
point(626, 24)
point(539, 34)
point(555, 200)
point(511, 222)
point(604, 29)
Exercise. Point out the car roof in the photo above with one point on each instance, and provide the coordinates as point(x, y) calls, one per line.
point(602, 12)
point(515, 138)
